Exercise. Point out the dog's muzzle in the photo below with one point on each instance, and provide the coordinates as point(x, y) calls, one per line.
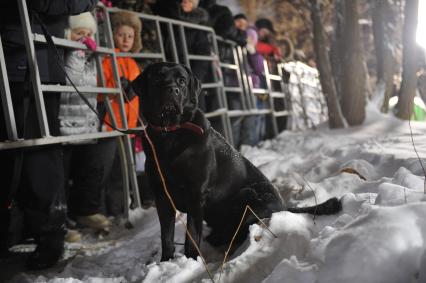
point(173, 90)
point(169, 109)
point(172, 105)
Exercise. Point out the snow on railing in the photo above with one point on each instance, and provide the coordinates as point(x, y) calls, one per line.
point(309, 108)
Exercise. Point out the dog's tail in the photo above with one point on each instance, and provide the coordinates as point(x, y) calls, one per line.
point(331, 206)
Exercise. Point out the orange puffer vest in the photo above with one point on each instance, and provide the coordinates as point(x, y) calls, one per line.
point(127, 68)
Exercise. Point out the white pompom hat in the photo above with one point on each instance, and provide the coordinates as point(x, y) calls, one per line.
point(83, 20)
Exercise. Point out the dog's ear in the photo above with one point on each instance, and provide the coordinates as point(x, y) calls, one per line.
point(194, 87)
point(140, 84)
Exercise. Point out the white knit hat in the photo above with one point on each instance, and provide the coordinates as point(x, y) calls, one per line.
point(83, 20)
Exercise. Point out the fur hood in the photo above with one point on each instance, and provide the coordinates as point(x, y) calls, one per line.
point(129, 19)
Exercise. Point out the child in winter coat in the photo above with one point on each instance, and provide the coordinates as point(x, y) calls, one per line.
point(127, 29)
point(266, 45)
point(248, 130)
point(74, 115)
point(81, 159)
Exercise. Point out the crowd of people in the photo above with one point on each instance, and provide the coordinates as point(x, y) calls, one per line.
point(52, 189)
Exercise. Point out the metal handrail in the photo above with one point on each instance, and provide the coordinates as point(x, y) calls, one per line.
point(83, 89)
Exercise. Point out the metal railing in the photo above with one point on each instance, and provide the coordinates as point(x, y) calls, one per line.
point(274, 91)
point(7, 105)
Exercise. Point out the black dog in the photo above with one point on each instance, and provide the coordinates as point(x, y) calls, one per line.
point(206, 177)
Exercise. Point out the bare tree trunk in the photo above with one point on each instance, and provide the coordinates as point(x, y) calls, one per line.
point(335, 118)
point(383, 28)
point(409, 64)
point(353, 85)
point(336, 46)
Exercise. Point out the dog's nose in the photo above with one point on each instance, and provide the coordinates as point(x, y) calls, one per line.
point(169, 108)
point(174, 90)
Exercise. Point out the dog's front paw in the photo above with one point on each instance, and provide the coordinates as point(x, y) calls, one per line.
point(166, 257)
point(190, 251)
point(167, 254)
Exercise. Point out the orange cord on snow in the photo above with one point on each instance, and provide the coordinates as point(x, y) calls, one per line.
point(236, 232)
point(417, 154)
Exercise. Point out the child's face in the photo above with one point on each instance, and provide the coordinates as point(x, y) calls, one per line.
point(124, 37)
point(79, 33)
point(263, 33)
point(241, 24)
point(187, 6)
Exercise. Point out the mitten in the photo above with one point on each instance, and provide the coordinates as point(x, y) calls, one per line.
point(90, 43)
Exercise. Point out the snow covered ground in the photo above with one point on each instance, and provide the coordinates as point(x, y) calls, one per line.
point(378, 237)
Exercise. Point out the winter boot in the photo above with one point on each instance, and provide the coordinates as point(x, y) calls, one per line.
point(94, 221)
point(72, 236)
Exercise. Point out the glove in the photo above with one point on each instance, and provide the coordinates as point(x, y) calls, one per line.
point(90, 43)
point(127, 88)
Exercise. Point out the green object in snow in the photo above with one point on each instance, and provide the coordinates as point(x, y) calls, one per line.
point(419, 108)
point(418, 113)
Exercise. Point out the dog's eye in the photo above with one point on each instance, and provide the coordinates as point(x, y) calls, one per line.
point(181, 81)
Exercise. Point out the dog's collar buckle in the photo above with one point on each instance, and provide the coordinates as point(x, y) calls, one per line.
point(187, 125)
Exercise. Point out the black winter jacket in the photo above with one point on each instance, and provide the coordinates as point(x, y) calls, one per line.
point(197, 16)
point(54, 14)
point(222, 21)
point(166, 8)
point(197, 40)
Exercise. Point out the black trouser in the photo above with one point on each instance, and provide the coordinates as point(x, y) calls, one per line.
point(114, 191)
point(38, 171)
point(88, 166)
point(114, 195)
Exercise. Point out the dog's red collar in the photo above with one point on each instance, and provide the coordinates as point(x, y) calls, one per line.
point(187, 125)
